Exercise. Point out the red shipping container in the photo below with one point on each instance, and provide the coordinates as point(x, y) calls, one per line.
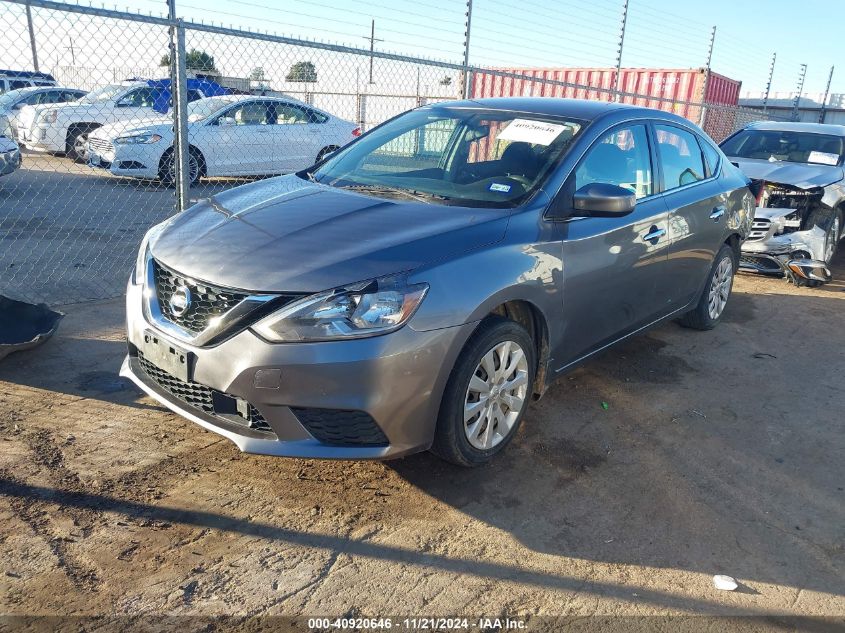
point(672, 90)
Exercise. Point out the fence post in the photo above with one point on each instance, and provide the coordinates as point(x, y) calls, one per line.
point(769, 83)
point(467, 87)
point(615, 94)
point(702, 119)
point(803, 73)
point(178, 92)
point(823, 111)
point(32, 37)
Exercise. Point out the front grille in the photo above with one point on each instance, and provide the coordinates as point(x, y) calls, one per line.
point(207, 301)
point(341, 428)
point(763, 263)
point(201, 397)
point(101, 145)
point(759, 229)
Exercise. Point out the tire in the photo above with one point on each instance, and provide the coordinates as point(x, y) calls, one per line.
point(76, 139)
point(711, 305)
point(831, 224)
point(326, 150)
point(491, 425)
point(166, 167)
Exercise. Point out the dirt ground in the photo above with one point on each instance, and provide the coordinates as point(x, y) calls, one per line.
point(719, 452)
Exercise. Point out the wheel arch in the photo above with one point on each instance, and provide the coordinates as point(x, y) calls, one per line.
point(533, 320)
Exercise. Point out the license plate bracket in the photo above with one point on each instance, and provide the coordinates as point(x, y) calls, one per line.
point(167, 356)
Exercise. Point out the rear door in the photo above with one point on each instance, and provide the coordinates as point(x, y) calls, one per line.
point(297, 137)
point(697, 207)
point(613, 267)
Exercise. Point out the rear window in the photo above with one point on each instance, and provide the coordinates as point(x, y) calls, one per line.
point(680, 156)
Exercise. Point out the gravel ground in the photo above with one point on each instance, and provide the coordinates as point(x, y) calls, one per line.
point(719, 452)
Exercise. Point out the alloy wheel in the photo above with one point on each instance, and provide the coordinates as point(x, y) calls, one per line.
point(496, 395)
point(193, 168)
point(720, 288)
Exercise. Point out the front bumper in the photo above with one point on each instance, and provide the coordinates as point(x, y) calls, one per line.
point(137, 161)
point(766, 251)
point(397, 380)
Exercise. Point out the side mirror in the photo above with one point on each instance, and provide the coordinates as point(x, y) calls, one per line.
point(600, 199)
point(226, 120)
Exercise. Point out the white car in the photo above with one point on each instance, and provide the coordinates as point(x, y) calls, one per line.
point(232, 135)
point(64, 128)
point(10, 155)
point(14, 101)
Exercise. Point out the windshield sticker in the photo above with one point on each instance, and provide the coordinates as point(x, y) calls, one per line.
point(823, 158)
point(499, 187)
point(534, 132)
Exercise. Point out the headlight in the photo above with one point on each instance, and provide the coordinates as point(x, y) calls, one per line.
point(141, 260)
point(137, 139)
point(49, 116)
point(367, 309)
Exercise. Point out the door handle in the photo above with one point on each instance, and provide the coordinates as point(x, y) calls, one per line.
point(654, 234)
point(717, 213)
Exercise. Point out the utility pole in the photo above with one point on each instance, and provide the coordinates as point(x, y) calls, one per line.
point(800, 88)
point(769, 83)
point(826, 93)
point(703, 117)
point(373, 39)
point(467, 83)
point(178, 87)
point(72, 51)
point(31, 37)
point(616, 80)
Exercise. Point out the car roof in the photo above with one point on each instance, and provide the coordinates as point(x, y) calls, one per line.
point(576, 108)
point(794, 126)
point(25, 74)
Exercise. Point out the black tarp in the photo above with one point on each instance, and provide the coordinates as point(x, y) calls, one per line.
point(24, 325)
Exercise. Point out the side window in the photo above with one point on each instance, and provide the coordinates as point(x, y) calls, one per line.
point(50, 96)
point(140, 98)
point(620, 158)
point(711, 156)
point(680, 157)
point(288, 114)
point(41, 97)
point(16, 84)
point(317, 117)
point(250, 113)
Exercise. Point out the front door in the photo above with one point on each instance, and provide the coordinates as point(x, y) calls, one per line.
point(613, 267)
point(296, 138)
point(243, 141)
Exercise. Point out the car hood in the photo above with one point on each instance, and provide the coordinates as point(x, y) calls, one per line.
point(799, 175)
point(156, 124)
point(285, 234)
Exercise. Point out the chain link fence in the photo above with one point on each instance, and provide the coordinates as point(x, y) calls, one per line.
point(98, 171)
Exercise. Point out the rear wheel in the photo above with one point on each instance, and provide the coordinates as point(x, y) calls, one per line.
point(708, 312)
point(487, 394)
point(77, 142)
point(325, 151)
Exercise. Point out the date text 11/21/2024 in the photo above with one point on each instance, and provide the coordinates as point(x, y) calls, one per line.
point(418, 624)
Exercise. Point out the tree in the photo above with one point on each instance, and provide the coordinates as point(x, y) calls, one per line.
point(194, 60)
point(302, 72)
point(446, 81)
point(257, 74)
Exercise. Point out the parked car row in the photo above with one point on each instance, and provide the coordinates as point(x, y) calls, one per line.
point(123, 128)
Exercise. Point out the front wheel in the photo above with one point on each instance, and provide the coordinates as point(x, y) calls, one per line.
point(487, 394)
point(167, 167)
point(708, 312)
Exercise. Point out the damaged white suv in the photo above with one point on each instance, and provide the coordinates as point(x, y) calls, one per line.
point(801, 197)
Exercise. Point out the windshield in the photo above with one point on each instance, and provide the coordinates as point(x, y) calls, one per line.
point(204, 108)
point(454, 156)
point(9, 98)
point(792, 147)
point(102, 94)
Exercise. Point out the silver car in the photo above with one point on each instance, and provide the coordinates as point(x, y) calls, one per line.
point(419, 287)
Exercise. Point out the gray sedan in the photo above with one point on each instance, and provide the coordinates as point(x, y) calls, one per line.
point(419, 287)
